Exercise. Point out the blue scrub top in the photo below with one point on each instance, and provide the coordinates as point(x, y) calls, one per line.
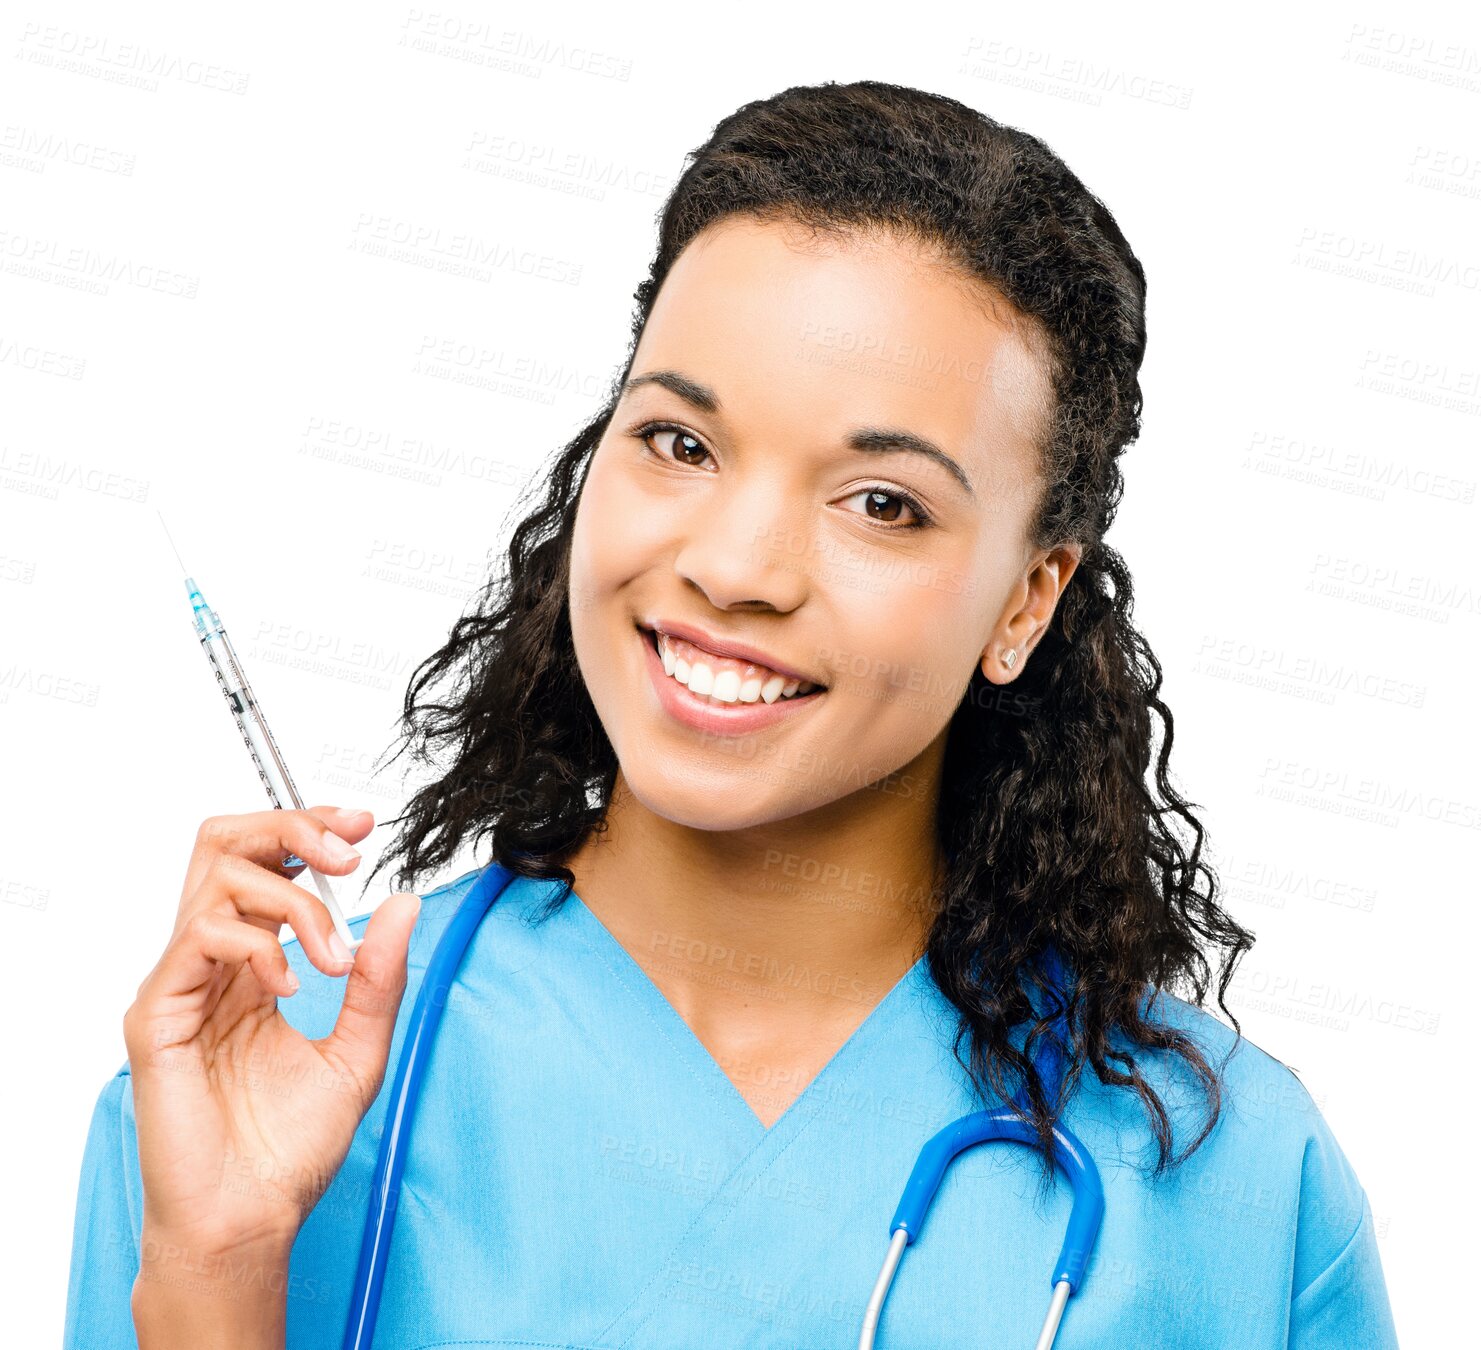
point(582, 1174)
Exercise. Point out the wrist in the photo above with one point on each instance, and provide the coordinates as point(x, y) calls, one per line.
point(191, 1293)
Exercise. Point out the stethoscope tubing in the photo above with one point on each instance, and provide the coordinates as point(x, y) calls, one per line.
point(406, 1092)
point(1004, 1124)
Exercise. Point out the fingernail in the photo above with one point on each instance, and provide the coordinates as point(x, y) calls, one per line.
point(291, 980)
point(337, 948)
point(339, 850)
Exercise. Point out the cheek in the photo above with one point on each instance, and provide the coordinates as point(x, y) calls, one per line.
point(599, 537)
point(617, 524)
point(911, 657)
point(617, 539)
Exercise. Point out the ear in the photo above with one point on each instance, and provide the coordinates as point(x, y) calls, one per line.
point(1029, 611)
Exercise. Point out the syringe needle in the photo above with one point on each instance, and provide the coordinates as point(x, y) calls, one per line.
point(171, 538)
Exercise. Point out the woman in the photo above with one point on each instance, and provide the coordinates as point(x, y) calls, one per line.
point(811, 717)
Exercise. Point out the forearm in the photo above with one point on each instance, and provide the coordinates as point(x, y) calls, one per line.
point(185, 1298)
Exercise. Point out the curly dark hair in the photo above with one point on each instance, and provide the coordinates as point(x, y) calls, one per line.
point(1050, 834)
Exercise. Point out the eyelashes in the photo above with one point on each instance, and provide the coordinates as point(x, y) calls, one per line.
point(646, 430)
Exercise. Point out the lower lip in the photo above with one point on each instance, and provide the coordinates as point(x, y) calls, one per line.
point(720, 719)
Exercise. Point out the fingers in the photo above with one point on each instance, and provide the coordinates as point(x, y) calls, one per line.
point(246, 893)
point(191, 962)
point(257, 893)
point(361, 1039)
point(234, 921)
point(350, 826)
point(321, 836)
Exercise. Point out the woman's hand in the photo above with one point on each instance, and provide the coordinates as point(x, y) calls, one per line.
point(242, 1121)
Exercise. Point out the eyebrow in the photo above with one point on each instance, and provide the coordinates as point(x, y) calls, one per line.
point(869, 440)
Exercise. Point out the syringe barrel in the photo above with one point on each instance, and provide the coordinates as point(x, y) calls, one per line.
point(249, 719)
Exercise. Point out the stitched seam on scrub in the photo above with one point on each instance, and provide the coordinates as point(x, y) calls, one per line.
point(712, 1090)
point(725, 1210)
point(683, 1050)
point(728, 1207)
point(1363, 1215)
point(539, 1345)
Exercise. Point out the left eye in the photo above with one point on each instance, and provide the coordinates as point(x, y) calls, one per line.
point(687, 443)
point(874, 496)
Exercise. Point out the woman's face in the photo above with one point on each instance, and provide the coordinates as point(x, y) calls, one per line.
point(775, 508)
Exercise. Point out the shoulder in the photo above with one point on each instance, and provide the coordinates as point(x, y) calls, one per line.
point(1272, 1152)
point(438, 907)
point(1260, 1089)
point(314, 1009)
point(518, 911)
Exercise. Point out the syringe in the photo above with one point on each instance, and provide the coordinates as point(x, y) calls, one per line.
point(271, 767)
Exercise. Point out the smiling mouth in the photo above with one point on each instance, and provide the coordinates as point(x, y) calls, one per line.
point(797, 694)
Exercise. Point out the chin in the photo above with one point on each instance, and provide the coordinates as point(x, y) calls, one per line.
point(725, 805)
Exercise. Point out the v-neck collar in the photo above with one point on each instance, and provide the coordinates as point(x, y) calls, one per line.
point(696, 1056)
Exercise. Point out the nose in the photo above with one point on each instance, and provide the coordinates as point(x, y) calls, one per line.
point(747, 546)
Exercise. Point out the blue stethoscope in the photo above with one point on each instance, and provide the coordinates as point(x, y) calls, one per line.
point(981, 1127)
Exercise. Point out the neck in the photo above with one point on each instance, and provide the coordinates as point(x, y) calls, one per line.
point(808, 921)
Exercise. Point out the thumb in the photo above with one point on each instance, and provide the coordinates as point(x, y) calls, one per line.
point(361, 1039)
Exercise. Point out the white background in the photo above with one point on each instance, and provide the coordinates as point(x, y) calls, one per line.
point(1303, 187)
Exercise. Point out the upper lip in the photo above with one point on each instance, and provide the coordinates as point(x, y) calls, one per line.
point(726, 647)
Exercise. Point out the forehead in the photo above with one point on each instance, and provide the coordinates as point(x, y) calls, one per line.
point(846, 330)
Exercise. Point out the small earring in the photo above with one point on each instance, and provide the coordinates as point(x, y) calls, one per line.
point(1010, 656)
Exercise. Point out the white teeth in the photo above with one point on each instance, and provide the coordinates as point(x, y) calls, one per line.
point(729, 685)
point(701, 679)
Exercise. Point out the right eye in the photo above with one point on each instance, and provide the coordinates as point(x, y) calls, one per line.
point(685, 442)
